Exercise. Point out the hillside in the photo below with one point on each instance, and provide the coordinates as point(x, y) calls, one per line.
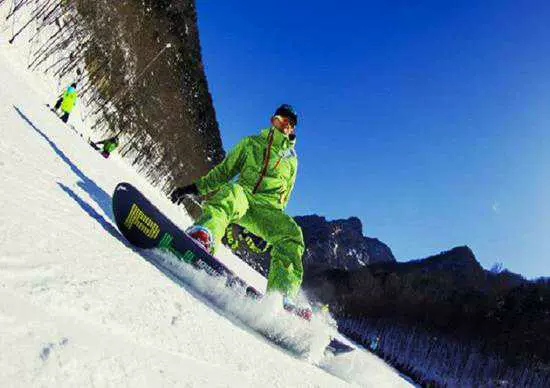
point(446, 310)
point(139, 71)
point(79, 307)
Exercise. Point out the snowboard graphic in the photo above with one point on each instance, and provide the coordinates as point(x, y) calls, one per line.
point(144, 226)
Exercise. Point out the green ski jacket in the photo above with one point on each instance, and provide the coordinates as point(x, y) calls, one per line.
point(69, 100)
point(110, 145)
point(266, 166)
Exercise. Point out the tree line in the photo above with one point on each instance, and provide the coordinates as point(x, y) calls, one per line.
point(140, 73)
point(479, 317)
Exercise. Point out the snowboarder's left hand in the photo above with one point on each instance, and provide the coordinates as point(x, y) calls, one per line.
point(179, 194)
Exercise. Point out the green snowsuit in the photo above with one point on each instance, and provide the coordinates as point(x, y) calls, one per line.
point(69, 100)
point(266, 165)
point(109, 145)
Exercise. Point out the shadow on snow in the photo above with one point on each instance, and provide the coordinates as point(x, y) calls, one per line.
point(104, 201)
point(96, 193)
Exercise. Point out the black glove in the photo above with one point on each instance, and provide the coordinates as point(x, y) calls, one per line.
point(179, 194)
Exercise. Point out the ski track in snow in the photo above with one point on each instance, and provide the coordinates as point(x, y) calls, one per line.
point(79, 307)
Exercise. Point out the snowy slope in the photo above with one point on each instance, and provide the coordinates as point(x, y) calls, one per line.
point(78, 307)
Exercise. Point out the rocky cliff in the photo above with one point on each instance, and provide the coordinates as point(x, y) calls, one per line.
point(337, 244)
point(340, 244)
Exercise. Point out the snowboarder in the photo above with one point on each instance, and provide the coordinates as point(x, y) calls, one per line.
point(266, 166)
point(109, 145)
point(67, 102)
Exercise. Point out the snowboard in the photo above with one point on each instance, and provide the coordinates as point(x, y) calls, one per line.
point(144, 226)
point(94, 145)
point(98, 148)
point(55, 112)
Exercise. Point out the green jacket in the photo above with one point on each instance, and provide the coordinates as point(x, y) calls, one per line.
point(266, 165)
point(69, 100)
point(110, 145)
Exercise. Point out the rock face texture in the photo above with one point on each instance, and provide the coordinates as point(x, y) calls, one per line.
point(338, 244)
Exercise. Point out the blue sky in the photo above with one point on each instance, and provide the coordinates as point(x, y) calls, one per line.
point(430, 122)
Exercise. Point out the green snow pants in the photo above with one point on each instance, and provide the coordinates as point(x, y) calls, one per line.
point(232, 205)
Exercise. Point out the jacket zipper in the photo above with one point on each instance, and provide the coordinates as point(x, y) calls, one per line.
point(267, 154)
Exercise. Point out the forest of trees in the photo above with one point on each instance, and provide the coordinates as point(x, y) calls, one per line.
point(434, 359)
point(444, 311)
point(141, 75)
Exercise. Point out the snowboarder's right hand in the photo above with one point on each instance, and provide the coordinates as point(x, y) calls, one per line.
point(179, 194)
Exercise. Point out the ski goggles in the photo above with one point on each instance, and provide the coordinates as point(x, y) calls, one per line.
point(284, 120)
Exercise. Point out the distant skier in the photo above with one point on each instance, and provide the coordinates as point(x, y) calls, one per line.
point(266, 166)
point(67, 102)
point(374, 342)
point(109, 145)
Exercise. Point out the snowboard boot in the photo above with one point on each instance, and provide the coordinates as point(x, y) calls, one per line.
point(202, 236)
point(302, 312)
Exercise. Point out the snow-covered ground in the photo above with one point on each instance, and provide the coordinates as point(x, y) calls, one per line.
point(79, 307)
